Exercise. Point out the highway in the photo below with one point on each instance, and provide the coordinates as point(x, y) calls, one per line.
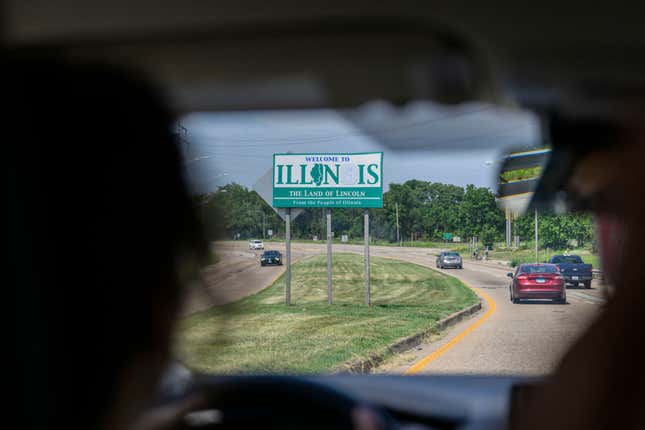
point(512, 339)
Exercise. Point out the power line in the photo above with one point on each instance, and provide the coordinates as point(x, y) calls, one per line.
point(428, 145)
point(312, 139)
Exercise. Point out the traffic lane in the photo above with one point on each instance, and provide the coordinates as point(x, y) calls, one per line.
point(298, 250)
point(596, 295)
point(424, 256)
point(518, 339)
point(527, 338)
point(237, 274)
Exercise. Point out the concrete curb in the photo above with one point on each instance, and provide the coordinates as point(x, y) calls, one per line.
point(365, 365)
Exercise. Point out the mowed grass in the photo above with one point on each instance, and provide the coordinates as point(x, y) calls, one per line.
point(260, 334)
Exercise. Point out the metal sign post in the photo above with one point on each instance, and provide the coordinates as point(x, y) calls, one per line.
point(264, 188)
point(287, 240)
point(366, 227)
point(328, 256)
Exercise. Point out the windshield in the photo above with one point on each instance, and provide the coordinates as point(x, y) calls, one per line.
point(571, 259)
point(539, 269)
point(369, 198)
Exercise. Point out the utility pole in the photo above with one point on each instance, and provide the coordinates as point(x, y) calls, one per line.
point(508, 228)
point(398, 238)
point(263, 225)
point(366, 228)
point(537, 260)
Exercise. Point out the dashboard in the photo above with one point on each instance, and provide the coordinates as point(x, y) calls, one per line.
point(438, 402)
point(464, 402)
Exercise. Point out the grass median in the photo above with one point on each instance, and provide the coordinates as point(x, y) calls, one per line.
point(260, 334)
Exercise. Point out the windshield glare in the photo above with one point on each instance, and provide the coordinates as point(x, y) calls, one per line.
point(539, 269)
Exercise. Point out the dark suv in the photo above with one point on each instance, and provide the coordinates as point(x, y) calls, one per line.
point(271, 257)
point(573, 269)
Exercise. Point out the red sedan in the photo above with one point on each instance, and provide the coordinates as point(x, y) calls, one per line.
point(538, 281)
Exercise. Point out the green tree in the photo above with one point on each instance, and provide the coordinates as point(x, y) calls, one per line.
point(556, 231)
point(426, 211)
point(480, 214)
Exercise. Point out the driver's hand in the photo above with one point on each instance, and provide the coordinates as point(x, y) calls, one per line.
point(366, 419)
point(170, 417)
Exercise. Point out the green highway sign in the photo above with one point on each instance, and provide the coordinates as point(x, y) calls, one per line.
point(447, 236)
point(328, 180)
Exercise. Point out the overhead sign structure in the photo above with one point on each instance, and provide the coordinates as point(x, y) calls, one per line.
point(328, 180)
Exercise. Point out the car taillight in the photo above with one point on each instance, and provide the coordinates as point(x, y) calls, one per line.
point(559, 278)
point(522, 278)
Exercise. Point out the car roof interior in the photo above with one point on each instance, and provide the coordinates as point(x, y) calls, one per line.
point(252, 55)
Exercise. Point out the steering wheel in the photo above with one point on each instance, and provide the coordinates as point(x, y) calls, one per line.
point(278, 402)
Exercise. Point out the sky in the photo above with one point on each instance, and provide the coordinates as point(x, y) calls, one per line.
point(457, 145)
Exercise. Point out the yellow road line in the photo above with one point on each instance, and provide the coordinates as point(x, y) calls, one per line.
point(421, 364)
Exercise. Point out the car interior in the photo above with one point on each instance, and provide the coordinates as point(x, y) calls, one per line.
point(577, 66)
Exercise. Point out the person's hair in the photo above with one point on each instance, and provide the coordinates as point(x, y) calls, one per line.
point(100, 228)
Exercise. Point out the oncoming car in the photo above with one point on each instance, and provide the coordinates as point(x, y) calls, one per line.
point(271, 258)
point(449, 259)
point(256, 244)
point(537, 281)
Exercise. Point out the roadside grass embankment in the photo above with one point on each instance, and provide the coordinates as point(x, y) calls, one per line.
point(260, 334)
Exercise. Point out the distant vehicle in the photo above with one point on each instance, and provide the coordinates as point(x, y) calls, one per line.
point(537, 281)
point(573, 269)
point(449, 259)
point(271, 258)
point(256, 244)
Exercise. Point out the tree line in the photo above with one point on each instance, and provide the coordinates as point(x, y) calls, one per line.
point(426, 210)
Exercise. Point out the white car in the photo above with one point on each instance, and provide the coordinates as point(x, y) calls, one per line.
point(256, 244)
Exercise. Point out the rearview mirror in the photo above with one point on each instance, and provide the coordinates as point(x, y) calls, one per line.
point(509, 274)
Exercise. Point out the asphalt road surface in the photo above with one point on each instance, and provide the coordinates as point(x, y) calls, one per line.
point(526, 339)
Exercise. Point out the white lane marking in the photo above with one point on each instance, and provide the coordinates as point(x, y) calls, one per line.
point(586, 298)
